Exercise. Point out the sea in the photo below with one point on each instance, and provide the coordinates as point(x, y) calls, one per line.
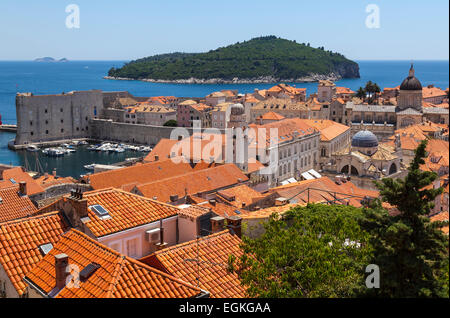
point(53, 78)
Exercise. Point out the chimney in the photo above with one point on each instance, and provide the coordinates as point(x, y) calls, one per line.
point(156, 157)
point(212, 202)
point(217, 224)
point(234, 224)
point(54, 172)
point(61, 263)
point(23, 188)
point(280, 201)
point(174, 198)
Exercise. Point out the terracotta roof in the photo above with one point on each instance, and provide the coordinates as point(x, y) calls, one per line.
point(47, 181)
point(298, 192)
point(438, 155)
point(188, 102)
point(429, 92)
point(141, 173)
point(18, 175)
point(194, 182)
point(194, 211)
point(343, 90)
point(212, 253)
point(20, 241)
point(13, 205)
point(280, 104)
point(287, 129)
point(239, 195)
point(267, 212)
point(272, 116)
point(166, 148)
point(328, 128)
point(443, 217)
point(117, 275)
point(126, 210)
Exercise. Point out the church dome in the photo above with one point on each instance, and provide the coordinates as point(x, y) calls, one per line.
point(237, 109)
point(411, 83)
point(364, 139)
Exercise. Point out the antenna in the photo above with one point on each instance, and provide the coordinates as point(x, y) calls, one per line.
point(197, 259)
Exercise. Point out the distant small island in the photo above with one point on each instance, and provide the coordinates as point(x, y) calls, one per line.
point(265, 59)
point(51, 59)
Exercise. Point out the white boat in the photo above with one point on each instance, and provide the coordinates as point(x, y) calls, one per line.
point(90, 167)
point(32, 148)
point(119, 150)
point(83, 142)
point(54, 152)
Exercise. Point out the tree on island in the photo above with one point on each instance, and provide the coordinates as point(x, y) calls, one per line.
point(171, 123)
point(410, 250)
point(313, 251)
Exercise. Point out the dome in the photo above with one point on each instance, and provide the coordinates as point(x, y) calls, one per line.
point(411, 83)
point(237, 109)
point(364, 138)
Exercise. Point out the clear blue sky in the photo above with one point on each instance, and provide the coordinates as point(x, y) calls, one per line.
point(124, 30)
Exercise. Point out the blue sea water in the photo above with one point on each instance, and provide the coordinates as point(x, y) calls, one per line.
point(53, 78)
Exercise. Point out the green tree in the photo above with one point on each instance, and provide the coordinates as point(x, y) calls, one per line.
point(314, 251)
point(410, 250)
point(171, 123)
point(361, 93)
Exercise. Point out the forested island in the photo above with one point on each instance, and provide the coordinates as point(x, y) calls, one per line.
point(264, 59)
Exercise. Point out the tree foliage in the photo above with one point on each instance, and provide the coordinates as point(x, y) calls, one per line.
point(171, 123)
point(263, 56)
point(312, 252)
point(410, 250)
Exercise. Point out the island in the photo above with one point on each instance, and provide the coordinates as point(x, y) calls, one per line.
point(50, 59)
point(265, 59)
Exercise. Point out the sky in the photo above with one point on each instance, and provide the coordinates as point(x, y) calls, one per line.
point(126, 30)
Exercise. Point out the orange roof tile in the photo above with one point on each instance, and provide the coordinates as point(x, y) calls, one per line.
point(19, 175)
point(207, 260)
point(298, 192)
point(443, 217)
point(126, 210)
point(343, 90)
point(429, 92)
point(117, 276)
point(141, 173)
point(47, 181)
point(194, 182)
point(240, 196)
point(20, 241)
point(272, 116)
point(328, 128)
point(15, 206)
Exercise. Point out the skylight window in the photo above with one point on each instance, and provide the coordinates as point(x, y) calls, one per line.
point(13, 181)
point(45, 248)
point(88, 271)
point(99, 210)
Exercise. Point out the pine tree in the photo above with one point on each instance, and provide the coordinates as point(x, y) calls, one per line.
point(411, 251)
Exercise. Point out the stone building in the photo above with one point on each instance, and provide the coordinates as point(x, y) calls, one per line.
point(366, 157)
point(285, 107)
point(56, 117)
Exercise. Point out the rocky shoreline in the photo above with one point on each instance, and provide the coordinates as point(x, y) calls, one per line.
point(263, 79)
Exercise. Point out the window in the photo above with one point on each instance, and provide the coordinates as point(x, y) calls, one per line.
point(46, 132)
point(46, 111)
point(31, 133)
point(46, 122)
point(62, 121)
point(61, 110)
point(31, 123)
point(62, 130)
point(132, 248)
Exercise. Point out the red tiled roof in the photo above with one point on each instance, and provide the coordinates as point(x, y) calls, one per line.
point(297, 191)
point(13, 205)
point(141, 173)
point(272, 116)
point(126, 210)
point(443, 217)
point(192, 183)
point(117, 276)
point(20, 241)
point(212, 253)
point(18, 175)
point(328, 128)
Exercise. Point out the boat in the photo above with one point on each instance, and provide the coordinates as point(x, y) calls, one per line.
point(90, 167)
point(119, 150)
point(92, 148)
point(54, 152)
point(32, 148)
point(83, 142)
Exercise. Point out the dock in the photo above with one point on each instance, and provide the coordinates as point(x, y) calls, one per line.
point(10, 128)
